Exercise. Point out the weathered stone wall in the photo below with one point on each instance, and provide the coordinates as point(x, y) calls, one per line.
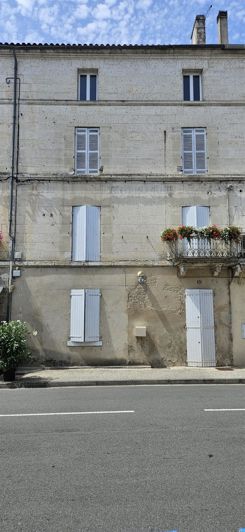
point(42, 297)
point(140, 113)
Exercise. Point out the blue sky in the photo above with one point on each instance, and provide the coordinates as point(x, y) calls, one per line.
point(115, 21)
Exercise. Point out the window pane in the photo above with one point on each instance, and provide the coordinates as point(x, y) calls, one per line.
point(83, 87)
point(92, 87)
point(186, 87)
point(196, 88)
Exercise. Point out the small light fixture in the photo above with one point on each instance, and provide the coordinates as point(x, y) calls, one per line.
point(141, 277)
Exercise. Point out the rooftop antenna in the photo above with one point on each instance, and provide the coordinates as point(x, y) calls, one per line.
point(210, 7)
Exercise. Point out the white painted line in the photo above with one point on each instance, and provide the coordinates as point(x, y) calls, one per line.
point(70, 413)
point(224, 409)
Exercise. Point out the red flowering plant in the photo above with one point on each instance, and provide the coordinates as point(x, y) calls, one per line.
point(231, 233)
point(185, 231)
point(169, 235)
point(212, 231)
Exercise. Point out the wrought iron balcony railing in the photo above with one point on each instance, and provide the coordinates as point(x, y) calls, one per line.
point(206, 249)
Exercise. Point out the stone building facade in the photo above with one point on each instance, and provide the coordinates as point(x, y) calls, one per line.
point(93, 166)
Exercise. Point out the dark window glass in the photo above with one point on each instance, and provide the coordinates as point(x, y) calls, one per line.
point(196, 88)
point(92, 87)
point(83, 87)
point(186, 86)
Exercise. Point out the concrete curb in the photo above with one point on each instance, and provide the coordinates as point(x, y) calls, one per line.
point(49, 384)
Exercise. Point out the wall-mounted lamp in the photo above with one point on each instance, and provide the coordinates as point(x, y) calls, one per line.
point(141, 278)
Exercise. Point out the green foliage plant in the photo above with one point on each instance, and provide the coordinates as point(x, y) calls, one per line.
point(13, 344)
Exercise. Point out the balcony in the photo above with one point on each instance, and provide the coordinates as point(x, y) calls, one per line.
point(199, 249)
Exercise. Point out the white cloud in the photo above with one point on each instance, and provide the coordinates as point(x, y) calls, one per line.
point(102, 11)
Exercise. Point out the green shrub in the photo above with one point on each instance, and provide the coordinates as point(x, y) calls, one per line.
point(13, 344)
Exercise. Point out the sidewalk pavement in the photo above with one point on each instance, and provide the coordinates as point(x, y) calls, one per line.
point(134, 375)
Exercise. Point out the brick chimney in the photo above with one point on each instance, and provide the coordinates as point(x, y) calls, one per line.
point(198, 35)
point(222, 23)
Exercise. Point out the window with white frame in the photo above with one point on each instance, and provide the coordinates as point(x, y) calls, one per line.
point(192, 87)
point(87, 150)
point(195, 215)
point(85, 316)
point(86, 233)
point(194, 150)
point(87, 87)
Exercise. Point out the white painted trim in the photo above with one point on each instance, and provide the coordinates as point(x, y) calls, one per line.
point(70, 343)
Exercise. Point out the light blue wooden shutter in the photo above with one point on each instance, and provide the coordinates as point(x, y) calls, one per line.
point(92, 315)
point(77, 316)
point(81, 151)
point(79, 233)
point(93, 151)
point(202, 216)
point(92, 233)
point(200, 151)
point(187, 139)
point(189, 215)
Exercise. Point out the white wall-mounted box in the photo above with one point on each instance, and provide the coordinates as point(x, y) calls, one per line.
point(16, 273)
point(18, 255)
point(140, 330)
point(243, 330)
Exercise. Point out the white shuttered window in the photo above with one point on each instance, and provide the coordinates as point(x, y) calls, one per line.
point(85, 315)
point(86, 233)
point(194, 150)
point(87, 150)
point(195, 215)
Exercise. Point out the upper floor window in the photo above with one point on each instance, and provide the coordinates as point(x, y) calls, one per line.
point(86, 233)
point(195, 215)
point(88, 87)
point(192, 90)
point(87, 150)
point(194, 150)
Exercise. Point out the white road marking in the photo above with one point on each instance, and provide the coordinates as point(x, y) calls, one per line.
point(70, 413)
point(224, 409)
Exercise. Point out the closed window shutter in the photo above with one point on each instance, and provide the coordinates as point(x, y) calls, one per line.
point(93, 151)
point(202, 216)
point(92, 233)
point(79, 233)
point(200, 142)
point(187, 151)
point(81, 149)
point(92, 315)
point(189, 215)
point(77, 316)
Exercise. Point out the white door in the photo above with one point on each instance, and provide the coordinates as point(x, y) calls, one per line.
point(200, 328)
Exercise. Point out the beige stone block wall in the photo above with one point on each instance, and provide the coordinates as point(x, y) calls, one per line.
point(238, 318)
point(132, 215)
point(131, 138)
point(159, 305)
point(126, 75)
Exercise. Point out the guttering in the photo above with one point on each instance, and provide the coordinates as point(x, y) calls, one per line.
point(12, 203)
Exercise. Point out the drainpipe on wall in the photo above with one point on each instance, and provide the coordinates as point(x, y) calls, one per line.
point(13, 178)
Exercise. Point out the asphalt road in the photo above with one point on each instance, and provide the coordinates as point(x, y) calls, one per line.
point(167, 466)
